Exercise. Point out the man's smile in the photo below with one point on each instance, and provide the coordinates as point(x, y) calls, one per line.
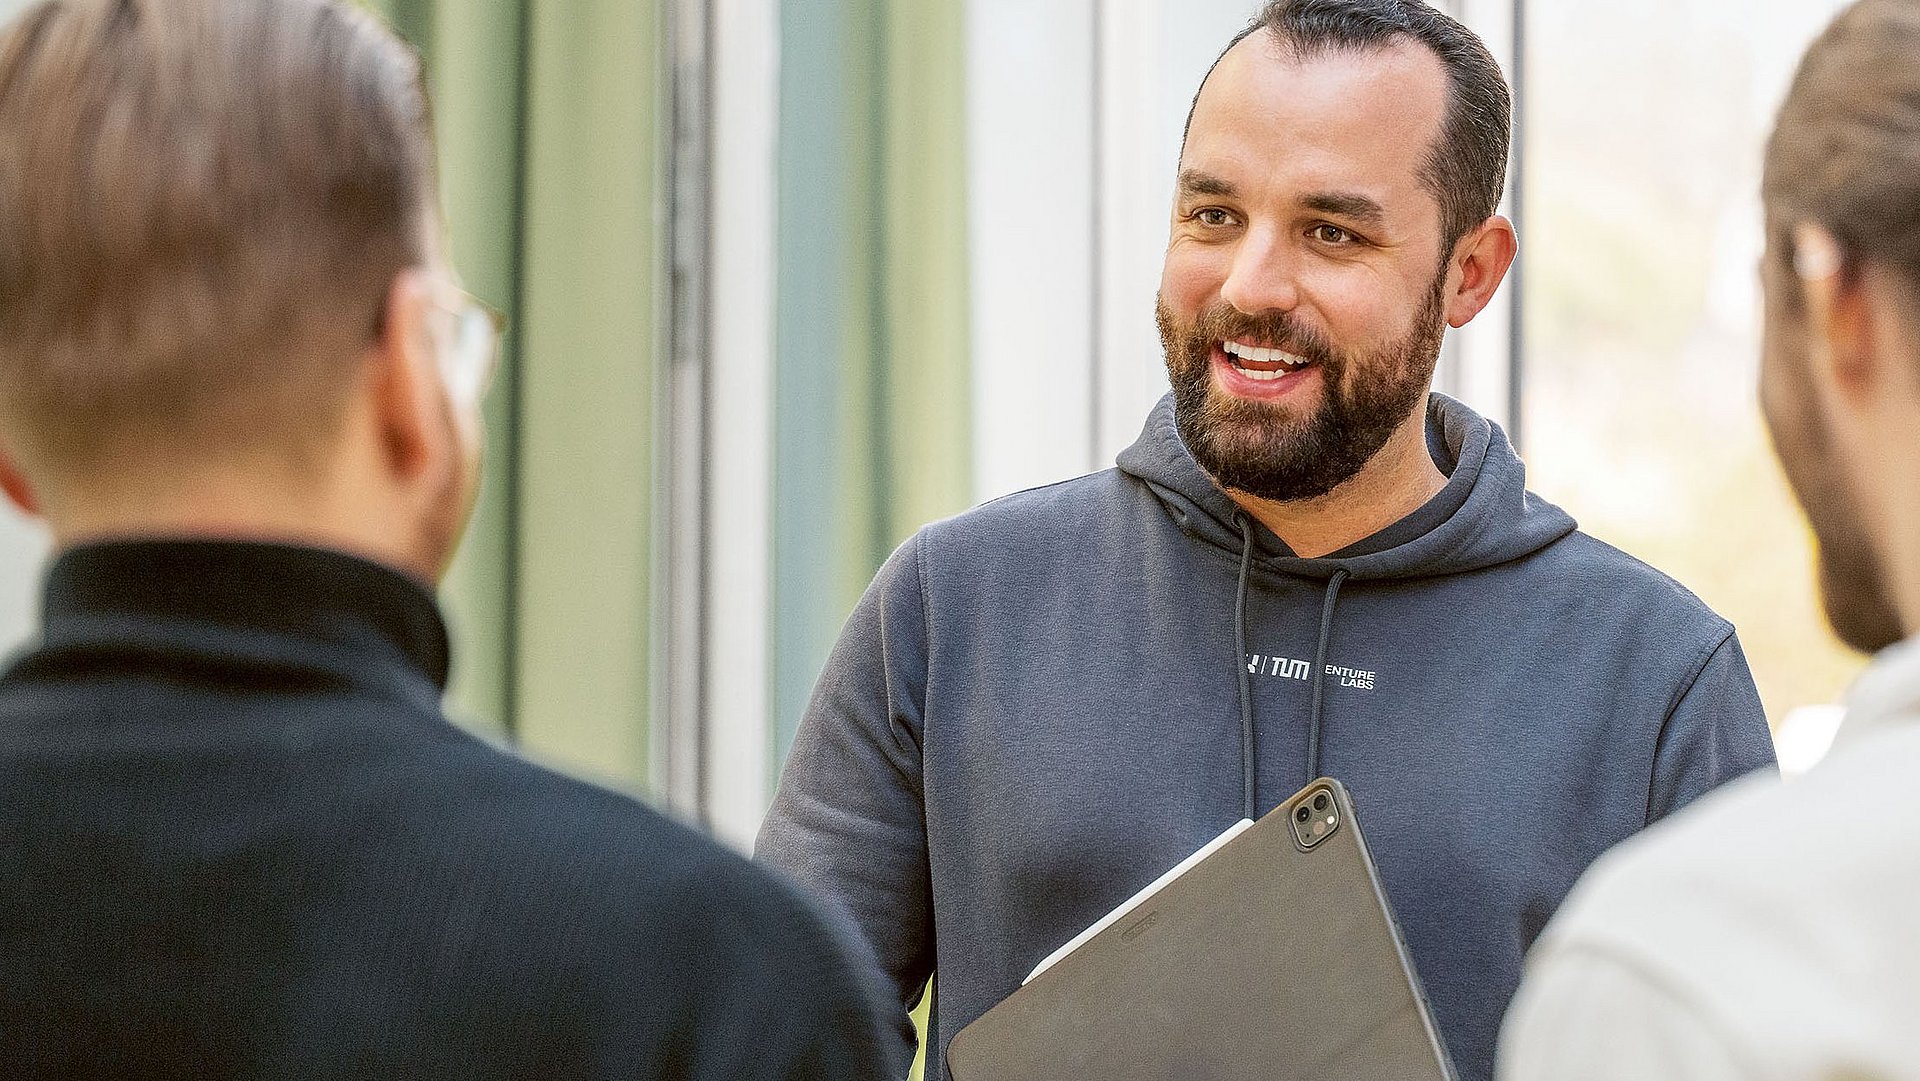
point(1261, 362)
point(1246, 370)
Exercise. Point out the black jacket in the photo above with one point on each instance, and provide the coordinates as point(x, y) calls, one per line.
point(238, 838)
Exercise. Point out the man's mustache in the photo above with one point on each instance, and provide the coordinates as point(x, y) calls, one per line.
point(1274, 330)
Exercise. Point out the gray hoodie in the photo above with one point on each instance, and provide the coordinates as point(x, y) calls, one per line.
point(1044, 703)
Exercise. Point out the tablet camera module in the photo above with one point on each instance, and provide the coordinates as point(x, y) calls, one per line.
point(1315, 818)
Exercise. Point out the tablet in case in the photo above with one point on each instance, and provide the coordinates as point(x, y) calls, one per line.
point(1273, 956)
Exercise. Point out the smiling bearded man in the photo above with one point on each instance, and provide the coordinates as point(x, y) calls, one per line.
point(1249, 445)
point(1306, 565)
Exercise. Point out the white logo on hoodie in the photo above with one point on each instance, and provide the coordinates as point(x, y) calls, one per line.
point(1288, 668)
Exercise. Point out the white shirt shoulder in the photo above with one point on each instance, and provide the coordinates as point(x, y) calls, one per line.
point(1771, 931)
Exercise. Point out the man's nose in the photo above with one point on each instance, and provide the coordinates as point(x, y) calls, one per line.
point(1262, 276)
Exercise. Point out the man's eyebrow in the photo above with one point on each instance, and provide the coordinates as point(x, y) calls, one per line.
point(1195, 182)
point(1346, 204)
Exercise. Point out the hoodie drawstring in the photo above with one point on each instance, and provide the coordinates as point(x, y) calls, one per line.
point(1248, 795)
point(1320, 674)
point(1241, 665)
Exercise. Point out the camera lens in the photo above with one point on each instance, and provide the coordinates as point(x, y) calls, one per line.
point(1320, 802)
point(1303, 814)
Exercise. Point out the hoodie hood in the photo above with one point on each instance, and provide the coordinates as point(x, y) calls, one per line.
point(1489, 516)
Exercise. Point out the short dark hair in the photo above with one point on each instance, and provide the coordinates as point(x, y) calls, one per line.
point(203, 205)
point(1467, 168)
point(1845, 152)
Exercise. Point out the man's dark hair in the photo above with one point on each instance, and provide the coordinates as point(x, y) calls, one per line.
point(1467, 169)
point(1845, 154)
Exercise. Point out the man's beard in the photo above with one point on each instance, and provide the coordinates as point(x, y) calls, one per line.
point(1264, 449)
point(1852, 588)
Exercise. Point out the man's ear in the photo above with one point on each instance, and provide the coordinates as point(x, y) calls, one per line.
point(13, 484)
point(405, 378)
point(1840, 324)
point(1480, 263)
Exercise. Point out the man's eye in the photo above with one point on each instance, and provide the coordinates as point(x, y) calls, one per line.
point(1332, 234)
point(1213, 216)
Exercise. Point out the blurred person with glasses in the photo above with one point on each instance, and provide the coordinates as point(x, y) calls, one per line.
point(1771, 932)
point(238, 835)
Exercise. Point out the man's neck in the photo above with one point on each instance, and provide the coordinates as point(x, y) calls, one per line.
point(233, 507)
point(1393, 484)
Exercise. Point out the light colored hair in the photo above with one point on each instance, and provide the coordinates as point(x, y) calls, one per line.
point(203, 204)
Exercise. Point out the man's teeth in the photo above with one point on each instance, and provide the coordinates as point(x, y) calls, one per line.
point(1264, 356)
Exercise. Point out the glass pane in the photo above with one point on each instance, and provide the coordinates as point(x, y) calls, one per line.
point(1646, 121)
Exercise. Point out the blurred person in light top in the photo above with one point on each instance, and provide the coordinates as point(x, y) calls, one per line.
point(238, 837)
point(1307, 564)
point(1771, 932)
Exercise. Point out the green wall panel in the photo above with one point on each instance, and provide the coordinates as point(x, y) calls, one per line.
point(590, 333)
point(548, 121)
point(475, 70)
point(873, 383)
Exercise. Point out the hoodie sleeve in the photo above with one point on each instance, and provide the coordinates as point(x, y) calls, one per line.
point(847, 822)
point(1716, 732)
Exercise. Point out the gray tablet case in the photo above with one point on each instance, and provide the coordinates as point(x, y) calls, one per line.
point(1276, 957)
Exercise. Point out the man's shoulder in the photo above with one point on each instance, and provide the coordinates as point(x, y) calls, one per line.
point(1757, 875)
point(1043, 510)
point(1772, 917)
point(1069, 518)
point(612, 909)
point(1656, 867)
point(550, 841)
point(649, 897)
point(538, 813)
point(1583, 567)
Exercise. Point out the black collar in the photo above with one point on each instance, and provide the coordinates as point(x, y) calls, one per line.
point(225, 608)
